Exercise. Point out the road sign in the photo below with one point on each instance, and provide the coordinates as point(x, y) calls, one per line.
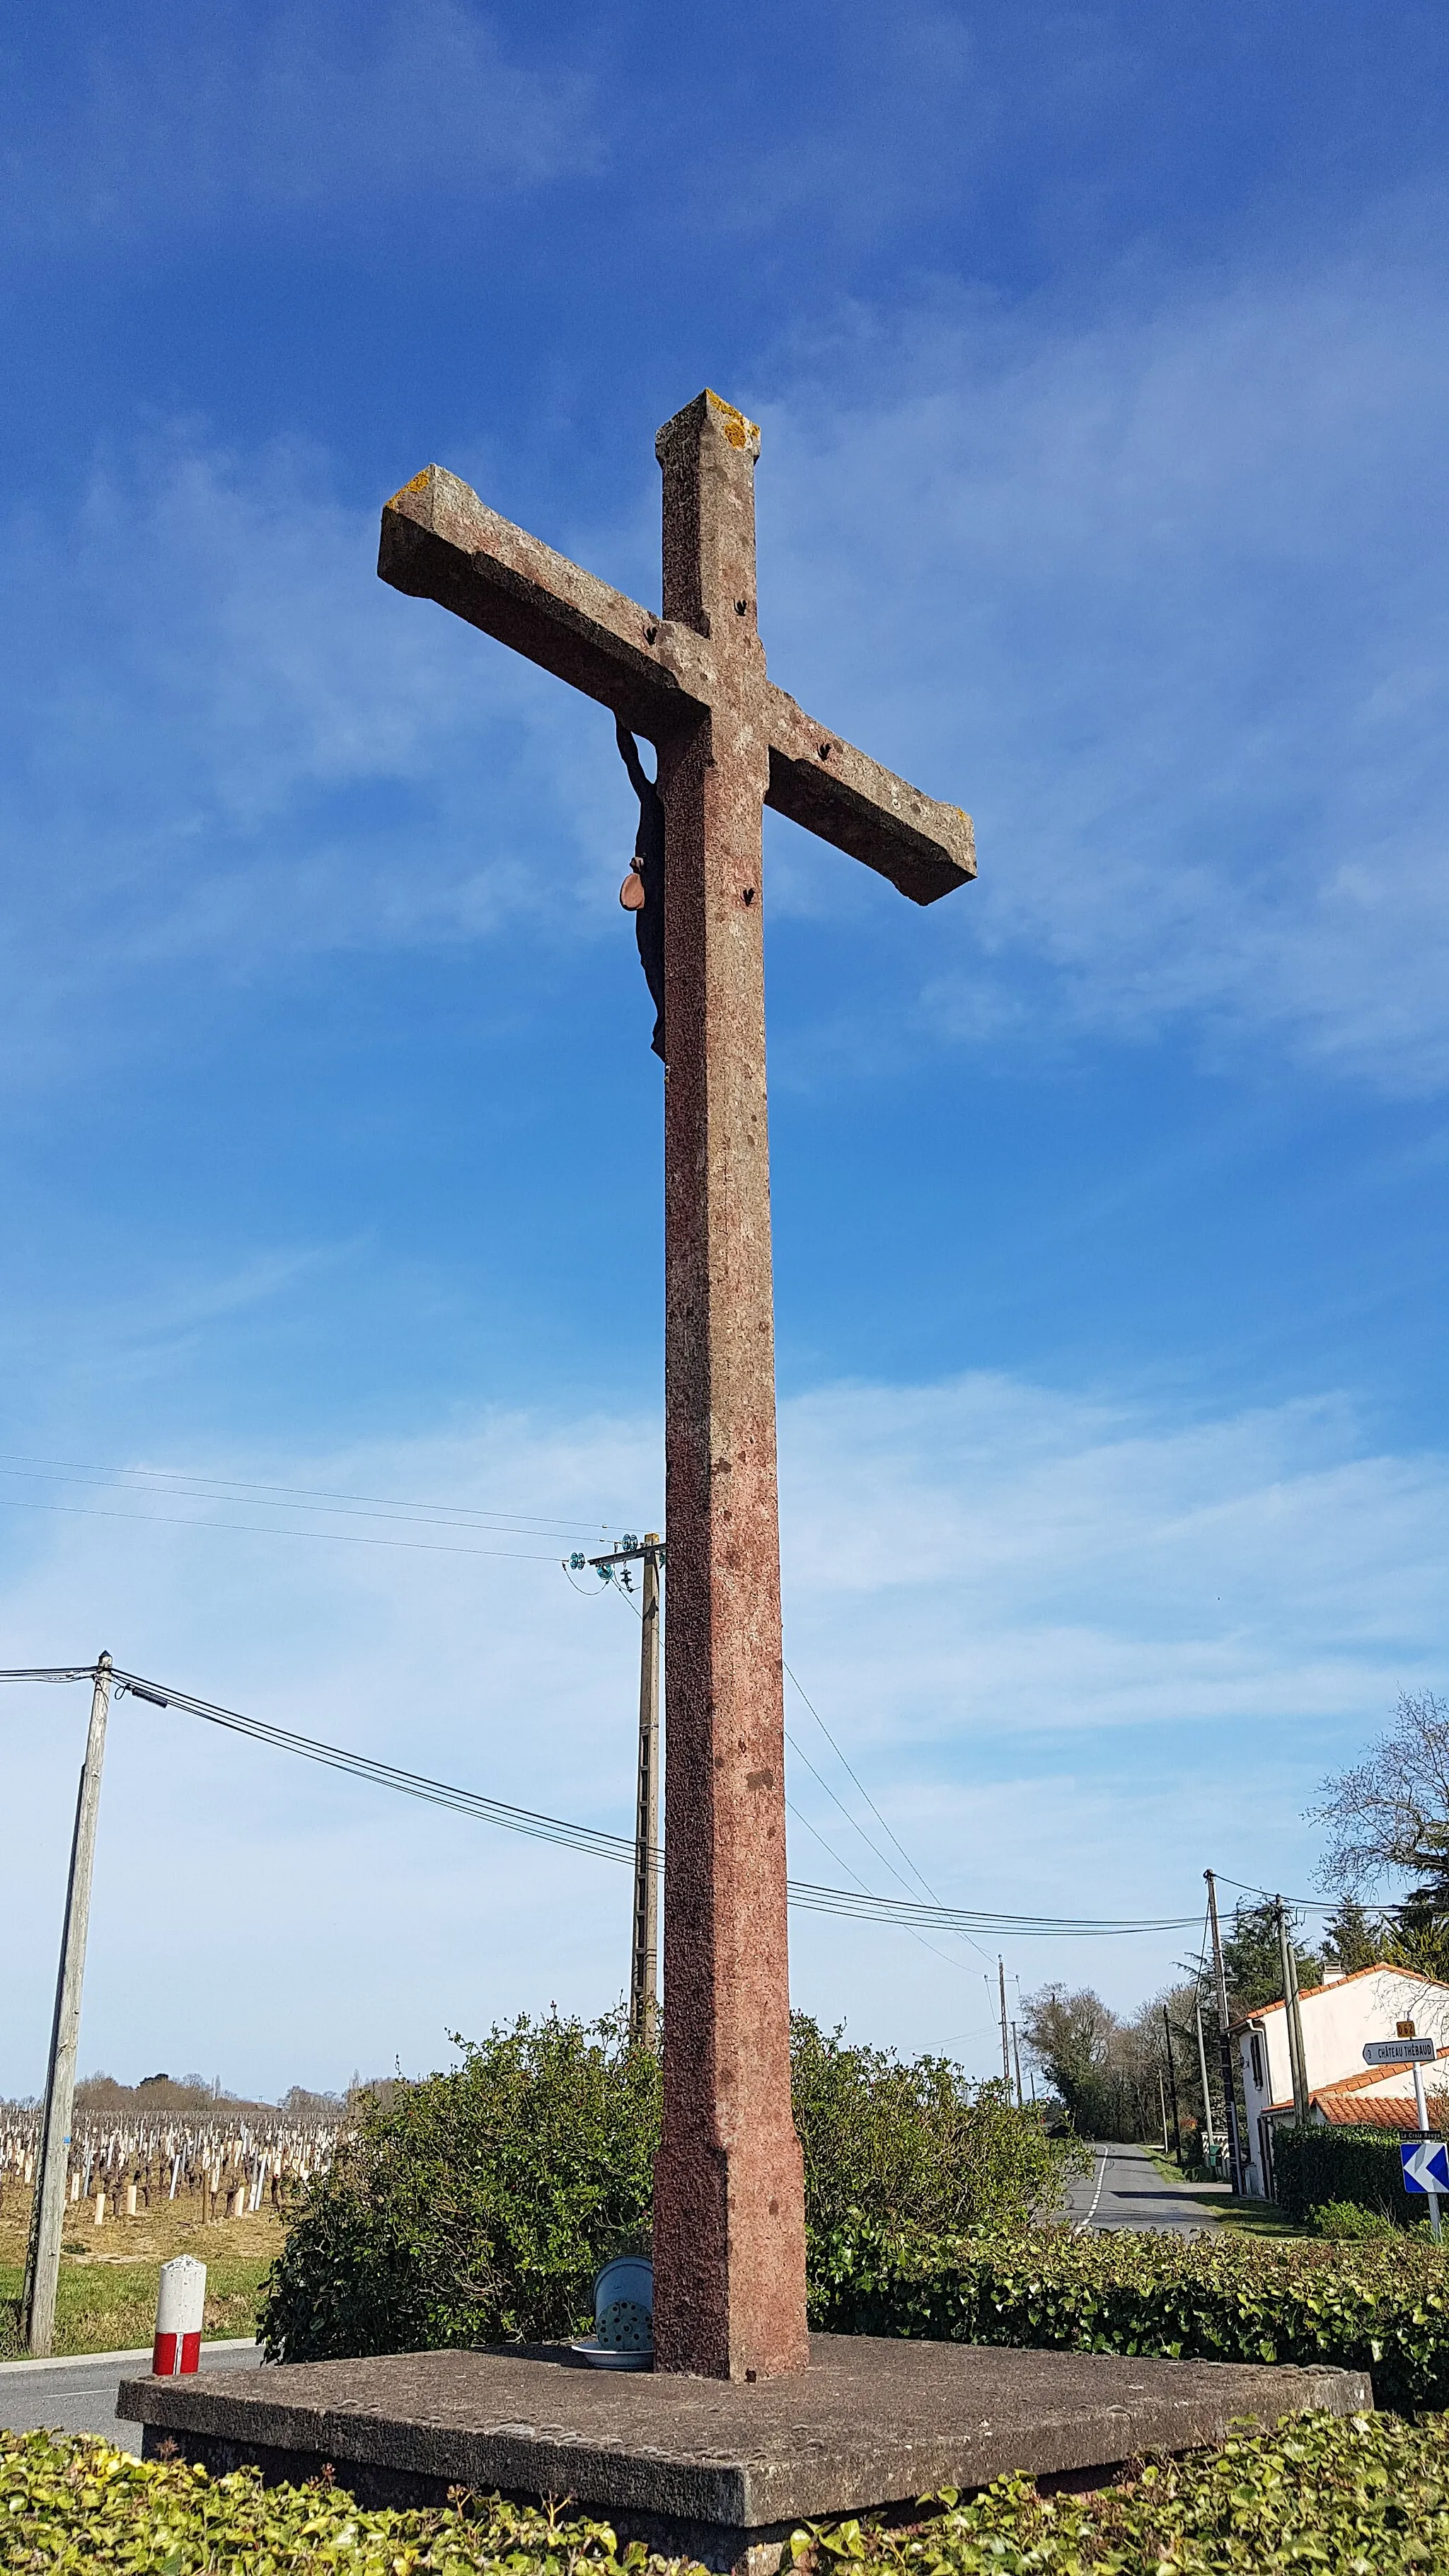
point(1399, 2052)
point(1426, 2165)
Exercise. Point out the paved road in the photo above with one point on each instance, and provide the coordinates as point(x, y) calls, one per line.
point(1125, 2189)
point(79, 2394)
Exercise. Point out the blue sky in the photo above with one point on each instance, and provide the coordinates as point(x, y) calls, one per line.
point(1101, 361)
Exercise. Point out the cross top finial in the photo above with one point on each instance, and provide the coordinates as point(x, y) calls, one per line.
point(731, 424)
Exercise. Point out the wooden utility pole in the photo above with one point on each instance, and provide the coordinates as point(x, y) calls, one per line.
point(1016, 2056)
point(648, 1553)
point(42, 2271)
point(1172, 2086)
point(644, 1966)
point(1225, 2045)
point(1005, 2030)
point(1209, 2133)
point(1291, 2015)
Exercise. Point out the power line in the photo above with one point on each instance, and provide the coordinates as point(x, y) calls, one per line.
point(802, 1819)
point(860, 1785)
point(918, 1875)
point(71, 1470)
point(260, 1529)
point(803, 1893)
point(1300, 1904)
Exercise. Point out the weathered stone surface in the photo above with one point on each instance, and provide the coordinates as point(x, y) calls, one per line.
point(729, 2198)
point(716, 2468)
point(729, 2217)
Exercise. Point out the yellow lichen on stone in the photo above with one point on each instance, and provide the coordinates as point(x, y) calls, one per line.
point(739, 431)
point(419, 483)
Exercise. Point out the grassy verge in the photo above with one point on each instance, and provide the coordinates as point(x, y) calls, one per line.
point(1247, 2217)
point(1259, 2218)
point(1367, 2493)
point(112, 2307)
point(106, 2299)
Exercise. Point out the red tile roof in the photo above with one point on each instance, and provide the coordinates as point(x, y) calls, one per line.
point(1344, 2110)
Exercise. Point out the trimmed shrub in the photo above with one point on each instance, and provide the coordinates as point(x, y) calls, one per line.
point(478, 2205)
point(1383, 2309)
point(70, 2504)
point(1345, 2220)
point(474, 2206)
point(1366, 2493)
point(1312, 2166)
point(901, 2142)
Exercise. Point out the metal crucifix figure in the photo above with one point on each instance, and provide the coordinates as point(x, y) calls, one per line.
point(729, 2229)
point(642, 892)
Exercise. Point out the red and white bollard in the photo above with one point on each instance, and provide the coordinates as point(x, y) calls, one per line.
point(179, 2310)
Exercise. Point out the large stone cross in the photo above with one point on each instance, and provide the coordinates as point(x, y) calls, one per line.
point(729, 2227)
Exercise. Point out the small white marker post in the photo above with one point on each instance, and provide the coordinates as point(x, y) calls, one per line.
point(180, 2308)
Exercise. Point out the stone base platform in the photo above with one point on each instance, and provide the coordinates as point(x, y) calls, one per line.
point(713, 2469)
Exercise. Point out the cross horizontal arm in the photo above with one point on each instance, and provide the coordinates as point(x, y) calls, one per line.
point(439, 541)
point(926, 849)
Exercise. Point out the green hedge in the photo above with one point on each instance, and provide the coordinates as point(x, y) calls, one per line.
point(1312, 2166)
point(70, 2504)
point(477, 2205)
point(1382, 2308)
point(1365, 2495)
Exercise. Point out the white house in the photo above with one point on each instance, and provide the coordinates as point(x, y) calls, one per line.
point(1337, 2017)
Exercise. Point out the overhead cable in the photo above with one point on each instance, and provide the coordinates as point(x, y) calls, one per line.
point(464, 1515)
point(803, 1893)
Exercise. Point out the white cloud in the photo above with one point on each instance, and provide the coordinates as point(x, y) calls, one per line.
point(1160, 597)
point(180, 125)
point(1076, 1647)
point(229, 742)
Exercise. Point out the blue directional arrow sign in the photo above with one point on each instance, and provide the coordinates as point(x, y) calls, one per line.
point(1426, 2166)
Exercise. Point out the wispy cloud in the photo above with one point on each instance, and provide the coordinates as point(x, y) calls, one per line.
point(188, 126)
point(1161, 598)
point(1075, 1648)
point(226, 740)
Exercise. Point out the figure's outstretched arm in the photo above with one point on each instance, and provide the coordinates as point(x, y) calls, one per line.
point(629, 754)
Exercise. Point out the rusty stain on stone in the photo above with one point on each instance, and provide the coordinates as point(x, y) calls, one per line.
point(729, 2221)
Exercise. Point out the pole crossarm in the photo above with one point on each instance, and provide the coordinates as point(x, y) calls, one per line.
point(659, 675)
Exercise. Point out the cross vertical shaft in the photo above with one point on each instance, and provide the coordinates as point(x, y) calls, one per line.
point(729, 2224)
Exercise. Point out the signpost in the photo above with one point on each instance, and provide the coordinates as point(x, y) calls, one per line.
point(1426, 2162)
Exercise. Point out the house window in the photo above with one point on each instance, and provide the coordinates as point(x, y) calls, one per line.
point(1257, 2047)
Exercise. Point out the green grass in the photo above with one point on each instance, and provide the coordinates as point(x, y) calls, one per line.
point(111, 2307)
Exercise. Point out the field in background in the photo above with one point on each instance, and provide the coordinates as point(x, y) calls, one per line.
point(108, 2274)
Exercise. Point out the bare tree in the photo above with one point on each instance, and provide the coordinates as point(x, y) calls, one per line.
point(1389, 1815)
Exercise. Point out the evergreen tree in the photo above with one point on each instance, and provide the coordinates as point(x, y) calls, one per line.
point(1354, 1939)
point(1253, 1963)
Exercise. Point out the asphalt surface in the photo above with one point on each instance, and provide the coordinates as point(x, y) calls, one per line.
point(1125, 2189)
point(78, 2395)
